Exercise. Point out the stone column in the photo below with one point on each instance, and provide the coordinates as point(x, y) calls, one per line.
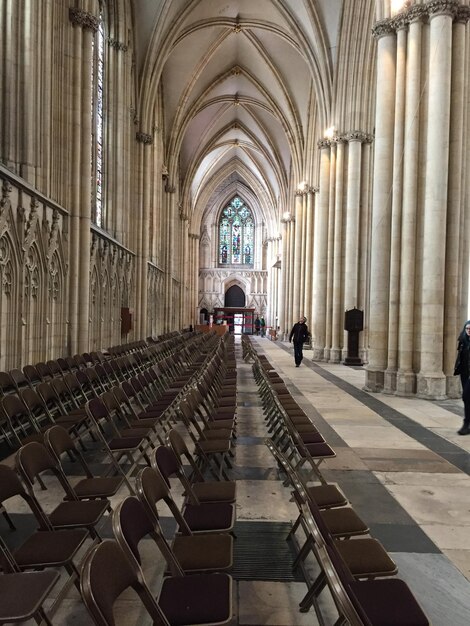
point(145, 140)
point(290, 294)
point(85, 26)
point(380, 235)
point(283, 280)
point(330, 254)
point(337, 292)
point(390, 379)
point(298, 268)
point(353, 204)
point(308, 267)
point(320, 254)
point(431, 380)
point(406, 378)
point(456, 254)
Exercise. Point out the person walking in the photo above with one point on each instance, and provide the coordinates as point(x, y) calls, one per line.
point(299, 334)
point(462, 368)
point(263, 326)
point(257, 325)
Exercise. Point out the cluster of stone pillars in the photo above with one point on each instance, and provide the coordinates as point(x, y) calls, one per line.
point(419, 231)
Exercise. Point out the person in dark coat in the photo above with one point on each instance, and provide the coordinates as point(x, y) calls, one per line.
point(299, 334)
point(257, 325)
point(462, 368)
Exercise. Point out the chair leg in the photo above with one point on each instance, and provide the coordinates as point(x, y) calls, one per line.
point(313, 592)
point(7, 518)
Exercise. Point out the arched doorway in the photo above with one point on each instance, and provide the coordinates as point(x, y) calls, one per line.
point(234, 296)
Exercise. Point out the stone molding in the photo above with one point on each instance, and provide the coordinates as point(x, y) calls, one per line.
point(421, 12)
point(323, 143)
point(352, 135)
point(144, 138)
point(358, 135)
point(117, 45)
point(78, 17)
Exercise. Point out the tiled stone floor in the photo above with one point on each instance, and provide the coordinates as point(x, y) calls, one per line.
point(400, 463)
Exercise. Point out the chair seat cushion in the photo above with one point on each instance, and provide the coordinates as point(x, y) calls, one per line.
point(204, 552)
point(326, 496)
point(366, 558)
point(215, 491)
point(21, 594)
point(51, 548)
point(198, 599)
point(73, 514)
point(209, 516)
point(343, 522)
point(98, 487)
point(387, 603)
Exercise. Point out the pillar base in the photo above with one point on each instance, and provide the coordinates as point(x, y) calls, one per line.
point(453, 387)
point(390, 381)
point(374, 380)
point(326, 355)
point(431, 386)
point(353, 360)
point(406, 384)
point(335, 355)
point(318, 354)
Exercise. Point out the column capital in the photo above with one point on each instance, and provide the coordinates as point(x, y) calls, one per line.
point(462, 14)
point(144, 138)
point(442, 7)
point(324, 143)
point(358, 135)
point(417, 13)
point(383, 28)
point(86, 20)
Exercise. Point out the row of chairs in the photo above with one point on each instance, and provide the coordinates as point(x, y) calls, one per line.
point(28, 410)
point(196, 588)
point(58, 442)
point(354, 566)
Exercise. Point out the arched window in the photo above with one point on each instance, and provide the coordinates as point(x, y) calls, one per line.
point(236, 234)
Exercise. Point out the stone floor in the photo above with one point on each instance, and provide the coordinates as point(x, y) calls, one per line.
point(400, 463)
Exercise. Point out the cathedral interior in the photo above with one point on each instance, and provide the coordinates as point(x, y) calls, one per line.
point(181, 182)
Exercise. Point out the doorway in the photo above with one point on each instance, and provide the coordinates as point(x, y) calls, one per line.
point(238, 320)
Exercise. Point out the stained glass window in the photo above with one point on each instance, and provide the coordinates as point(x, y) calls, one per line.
point(98, 122)
point(236, 234)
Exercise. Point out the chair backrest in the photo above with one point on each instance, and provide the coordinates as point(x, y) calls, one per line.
point(152, 489)
point(106, 573)
point(11, 485)
point(131, 523)
point(19, 379)
point(179, 447)
point(338, 581)
point(44, 370)
point(167, 462)
point(34, 458)
point(36, 405)
point(32, 374)
point(7, 384)
point(54, 367)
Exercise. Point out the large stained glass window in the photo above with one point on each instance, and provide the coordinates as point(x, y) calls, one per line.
point(98, 122)
point(236, 234)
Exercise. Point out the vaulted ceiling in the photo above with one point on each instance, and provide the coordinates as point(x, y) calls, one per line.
point(243, 83)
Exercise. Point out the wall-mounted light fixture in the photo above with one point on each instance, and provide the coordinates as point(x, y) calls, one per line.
point(330, 132)
point(397, 6)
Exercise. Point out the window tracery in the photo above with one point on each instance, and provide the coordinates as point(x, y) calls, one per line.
point(236, 234)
